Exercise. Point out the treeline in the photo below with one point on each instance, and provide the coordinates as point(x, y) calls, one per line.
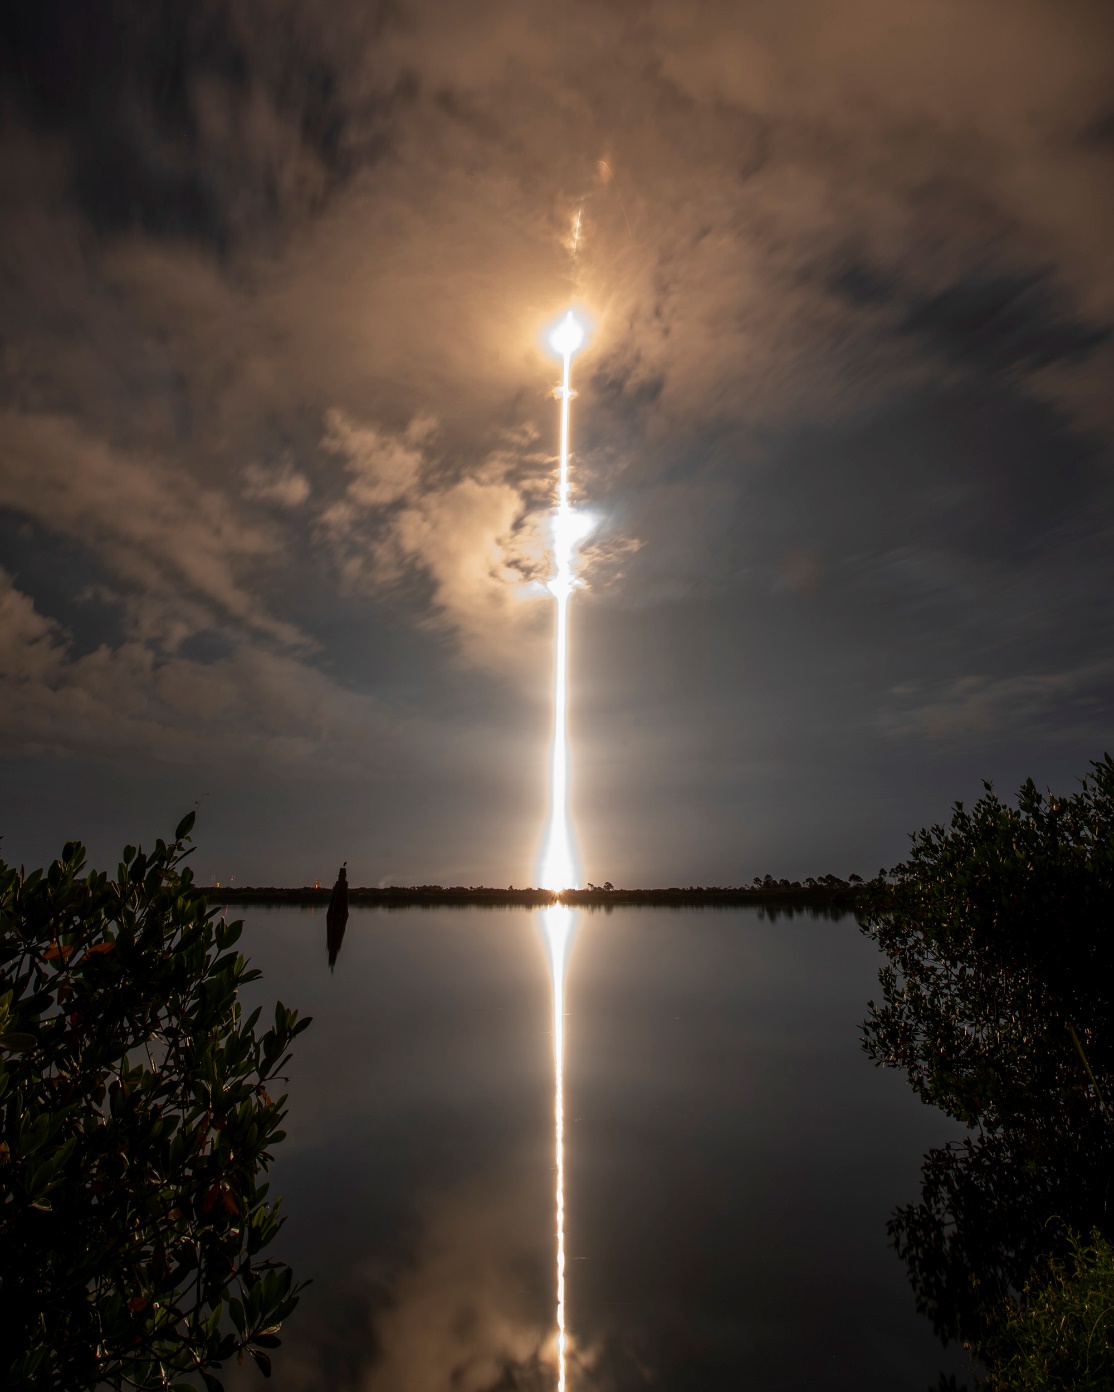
point(827, 891)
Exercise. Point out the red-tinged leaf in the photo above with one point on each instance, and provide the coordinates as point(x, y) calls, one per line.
point(100, 948)
point(229, 1201)
point(210, 1199)
point(56, 950)
point(137, 1303)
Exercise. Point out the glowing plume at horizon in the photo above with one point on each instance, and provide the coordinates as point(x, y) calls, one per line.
point(558, 869)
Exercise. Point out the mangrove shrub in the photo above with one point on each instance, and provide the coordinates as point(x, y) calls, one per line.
point(136, 1126)
point(998, 1002)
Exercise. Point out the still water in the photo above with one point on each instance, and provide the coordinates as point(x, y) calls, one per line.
point(731, 1157)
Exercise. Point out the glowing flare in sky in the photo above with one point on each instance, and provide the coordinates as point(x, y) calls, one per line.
point(558, 869)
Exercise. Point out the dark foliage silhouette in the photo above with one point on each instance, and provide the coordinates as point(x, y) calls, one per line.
point(135, 1127)
point(998, 1001)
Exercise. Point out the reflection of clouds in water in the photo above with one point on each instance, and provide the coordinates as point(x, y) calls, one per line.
point(466, 1313)
point(469, 1310)
point(472, 1312)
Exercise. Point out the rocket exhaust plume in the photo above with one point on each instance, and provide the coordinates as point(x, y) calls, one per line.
point(558, 869)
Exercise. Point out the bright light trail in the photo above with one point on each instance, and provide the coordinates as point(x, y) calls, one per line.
point(558, 863)
point(558, 869)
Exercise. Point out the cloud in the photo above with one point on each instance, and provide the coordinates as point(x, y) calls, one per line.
point(31, 645)
point(175, 550)
point(1002, 707)
point(284, 486)
point(477, 539)
point(774, 146)
point(202, 123)
point(227, 226)
point(467, 1309)
point(458, 1316)
point(251, 707)
point(384, 467)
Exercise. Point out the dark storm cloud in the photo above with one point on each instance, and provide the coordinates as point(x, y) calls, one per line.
point(272, 280)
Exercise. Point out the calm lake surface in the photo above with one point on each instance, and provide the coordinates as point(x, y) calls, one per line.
point(731, 1155)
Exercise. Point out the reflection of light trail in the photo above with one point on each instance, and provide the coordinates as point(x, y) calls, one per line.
point(558, 863)
point(557, 923)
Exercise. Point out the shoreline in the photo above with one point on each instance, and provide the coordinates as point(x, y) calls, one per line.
point(841, 895)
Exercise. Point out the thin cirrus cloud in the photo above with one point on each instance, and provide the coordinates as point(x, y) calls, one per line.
point(975, 706)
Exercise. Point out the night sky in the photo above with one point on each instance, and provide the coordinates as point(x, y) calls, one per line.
point(277, 432)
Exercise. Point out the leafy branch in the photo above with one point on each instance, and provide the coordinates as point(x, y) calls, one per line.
point(136, 1126)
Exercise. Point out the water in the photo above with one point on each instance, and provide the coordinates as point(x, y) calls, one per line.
point(731, 1156)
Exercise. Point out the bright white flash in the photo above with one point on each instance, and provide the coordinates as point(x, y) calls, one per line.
point(558, 870)
point(568, 336)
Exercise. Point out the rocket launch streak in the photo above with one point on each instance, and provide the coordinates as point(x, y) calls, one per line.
point(559, 863)
point(558, 870)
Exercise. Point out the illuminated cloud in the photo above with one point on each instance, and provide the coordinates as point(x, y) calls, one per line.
point(475, 540)
point(284, 486)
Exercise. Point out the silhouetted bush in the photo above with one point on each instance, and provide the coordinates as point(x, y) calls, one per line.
point(135, 1125)
point(998, 1001)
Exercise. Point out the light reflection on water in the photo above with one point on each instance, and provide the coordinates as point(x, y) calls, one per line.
point(730, 1157)
point(558, 923)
